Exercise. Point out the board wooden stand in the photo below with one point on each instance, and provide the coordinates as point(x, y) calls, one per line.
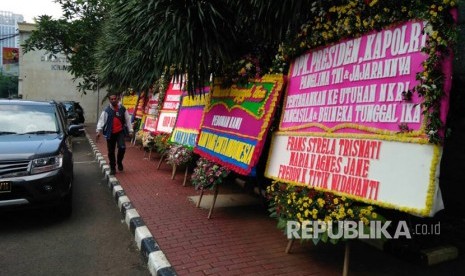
point(173, 174)
point(161, 160)
point(213, 203)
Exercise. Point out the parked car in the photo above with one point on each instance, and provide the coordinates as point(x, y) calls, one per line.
point(75, 115)
point(74, 111)
point(36, 160)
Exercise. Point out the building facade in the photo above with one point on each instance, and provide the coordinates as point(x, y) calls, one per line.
point(45, 77)
point(9, 42)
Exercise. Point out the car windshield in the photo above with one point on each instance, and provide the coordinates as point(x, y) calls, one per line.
point(28, 119)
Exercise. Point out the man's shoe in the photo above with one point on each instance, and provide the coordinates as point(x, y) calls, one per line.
point(112, 172)
point(120, 167)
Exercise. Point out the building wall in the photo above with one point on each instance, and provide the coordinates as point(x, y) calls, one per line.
point(8, 29)
point(9, 38)
point(42, 77)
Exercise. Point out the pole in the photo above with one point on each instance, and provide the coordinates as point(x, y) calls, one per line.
point(345, 270)
point(98, 100)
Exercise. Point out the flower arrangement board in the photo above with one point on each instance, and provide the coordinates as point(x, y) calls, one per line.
point(353, 122)
point(361, 85)
point(140, 107)
point(168, 113)
point(189, 117)
point(152, 104)
point(130, 102)
point(235, 123)
point(149, 123)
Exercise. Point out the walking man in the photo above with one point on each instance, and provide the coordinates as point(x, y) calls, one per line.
point(115, 124)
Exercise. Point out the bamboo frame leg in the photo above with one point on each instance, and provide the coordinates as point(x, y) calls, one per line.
point(150, 154)
point(200, 198)
point(289, 245)
point(173, 173)
point(345, 270)
point(161, 160)
point(213, 203)
point(185, 176)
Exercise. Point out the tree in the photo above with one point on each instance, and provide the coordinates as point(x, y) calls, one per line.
point(199, 38)
point(8, 86)
point(74, 35)
point(132, 43)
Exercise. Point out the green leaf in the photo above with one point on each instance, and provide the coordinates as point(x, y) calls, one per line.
point(282, 223)
point(324, 237)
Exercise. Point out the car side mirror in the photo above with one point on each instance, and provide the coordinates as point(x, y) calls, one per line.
point(75, 130)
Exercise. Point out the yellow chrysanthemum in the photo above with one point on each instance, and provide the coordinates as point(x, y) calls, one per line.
point(306, 213)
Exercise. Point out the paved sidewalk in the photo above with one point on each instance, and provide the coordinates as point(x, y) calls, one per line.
point(237, 240)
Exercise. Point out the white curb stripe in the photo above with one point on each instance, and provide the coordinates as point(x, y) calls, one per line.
point(116, 189)
point(121, 201)
point(141, 233)
point(157, 261)
point(130, 214)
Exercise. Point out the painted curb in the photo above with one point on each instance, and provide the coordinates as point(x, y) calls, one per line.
point(157, 263)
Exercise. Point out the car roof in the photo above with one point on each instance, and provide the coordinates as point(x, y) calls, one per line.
point(25, 102)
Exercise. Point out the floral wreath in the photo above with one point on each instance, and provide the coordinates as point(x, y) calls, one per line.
point(179, 155)
point(207, 174)
point(302, 204)
point(241, 72)
point(161, 143)
point(348, 19)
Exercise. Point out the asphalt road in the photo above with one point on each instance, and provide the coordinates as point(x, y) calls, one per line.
point(93, 241)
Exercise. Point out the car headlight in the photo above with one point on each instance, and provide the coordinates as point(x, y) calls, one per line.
point(46, 164)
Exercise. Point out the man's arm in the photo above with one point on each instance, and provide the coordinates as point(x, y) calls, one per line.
point(101, 122)
point(127, 120)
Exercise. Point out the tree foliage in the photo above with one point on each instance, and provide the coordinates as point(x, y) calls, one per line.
point(200, 38)
point(8, 86)
point(132, 43)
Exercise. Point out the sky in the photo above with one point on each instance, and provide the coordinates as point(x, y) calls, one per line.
point(31, 8)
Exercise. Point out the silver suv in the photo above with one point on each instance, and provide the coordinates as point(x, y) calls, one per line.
point(36, 160)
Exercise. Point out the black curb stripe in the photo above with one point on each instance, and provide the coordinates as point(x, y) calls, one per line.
point(119, 194)
point(125, 207)
point(166, 271)
point(112, 184)
point(134, 223)
point(147, 246)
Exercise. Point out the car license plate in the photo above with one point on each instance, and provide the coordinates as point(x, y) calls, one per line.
point(5, 186)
